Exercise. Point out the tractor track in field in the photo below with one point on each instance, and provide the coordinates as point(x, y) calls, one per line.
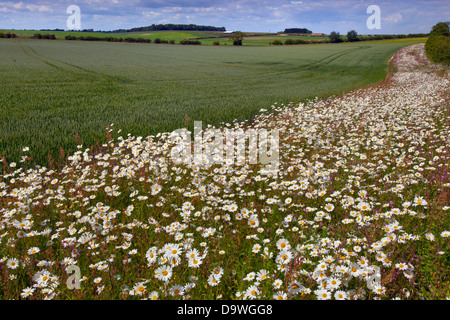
point(71, 69)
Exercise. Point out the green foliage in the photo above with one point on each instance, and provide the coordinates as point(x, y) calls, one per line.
point(296, 41)
point(194, 42)
point(352, 36)
point(438, 49)
point(237, 38)
point(297, 30)
point(216, 43)
point(44, 36)
point(335, 37)
point(289, 41)
point(180, 27)
point(8, 35)
point(277, 42)
point(440, 29)
point(437, 46)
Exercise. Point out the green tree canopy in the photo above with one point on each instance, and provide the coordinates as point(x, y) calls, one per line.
point(335, 37)
point(352, 36)
point(237, 38)
point(440, 29)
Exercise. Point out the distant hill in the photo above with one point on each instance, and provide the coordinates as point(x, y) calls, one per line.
point(172, 27)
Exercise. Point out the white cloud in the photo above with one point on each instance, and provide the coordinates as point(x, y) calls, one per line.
point(151, 14)
point(12, 5)
point(20, 5)
point(34, 7)
point(393, 18)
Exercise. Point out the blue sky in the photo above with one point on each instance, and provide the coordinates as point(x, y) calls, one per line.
point(398, 16)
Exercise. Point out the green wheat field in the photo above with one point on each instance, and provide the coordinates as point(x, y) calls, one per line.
point(53, 90)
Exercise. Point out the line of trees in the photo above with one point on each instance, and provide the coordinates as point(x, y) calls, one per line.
point(278, 42)
point(187, 41)
point(352, 36)
point(44, 36)
point(111, 39)
point(297, 30)
point(172, 27)
point(8, 35)
point(131, 40)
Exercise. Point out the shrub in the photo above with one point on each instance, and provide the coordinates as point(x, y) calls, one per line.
point(438, 49)
point(335, 37)
point(216, 43)
point(44, 36)
point(185, 41)
point(289, 41)
point(157, 40)
point(301, 41)
point(277, 42)
point(437, 46)
point(172, 41)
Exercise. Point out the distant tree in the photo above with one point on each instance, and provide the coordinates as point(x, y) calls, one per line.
point(237, 38)
point(335, 37)
point(440, 29)
point(184, 27)
point(297, 30)
point(352, 36)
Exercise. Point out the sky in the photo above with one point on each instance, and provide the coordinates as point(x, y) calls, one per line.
point(322, 16)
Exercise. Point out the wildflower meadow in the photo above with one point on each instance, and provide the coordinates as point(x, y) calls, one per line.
point(357, 208)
